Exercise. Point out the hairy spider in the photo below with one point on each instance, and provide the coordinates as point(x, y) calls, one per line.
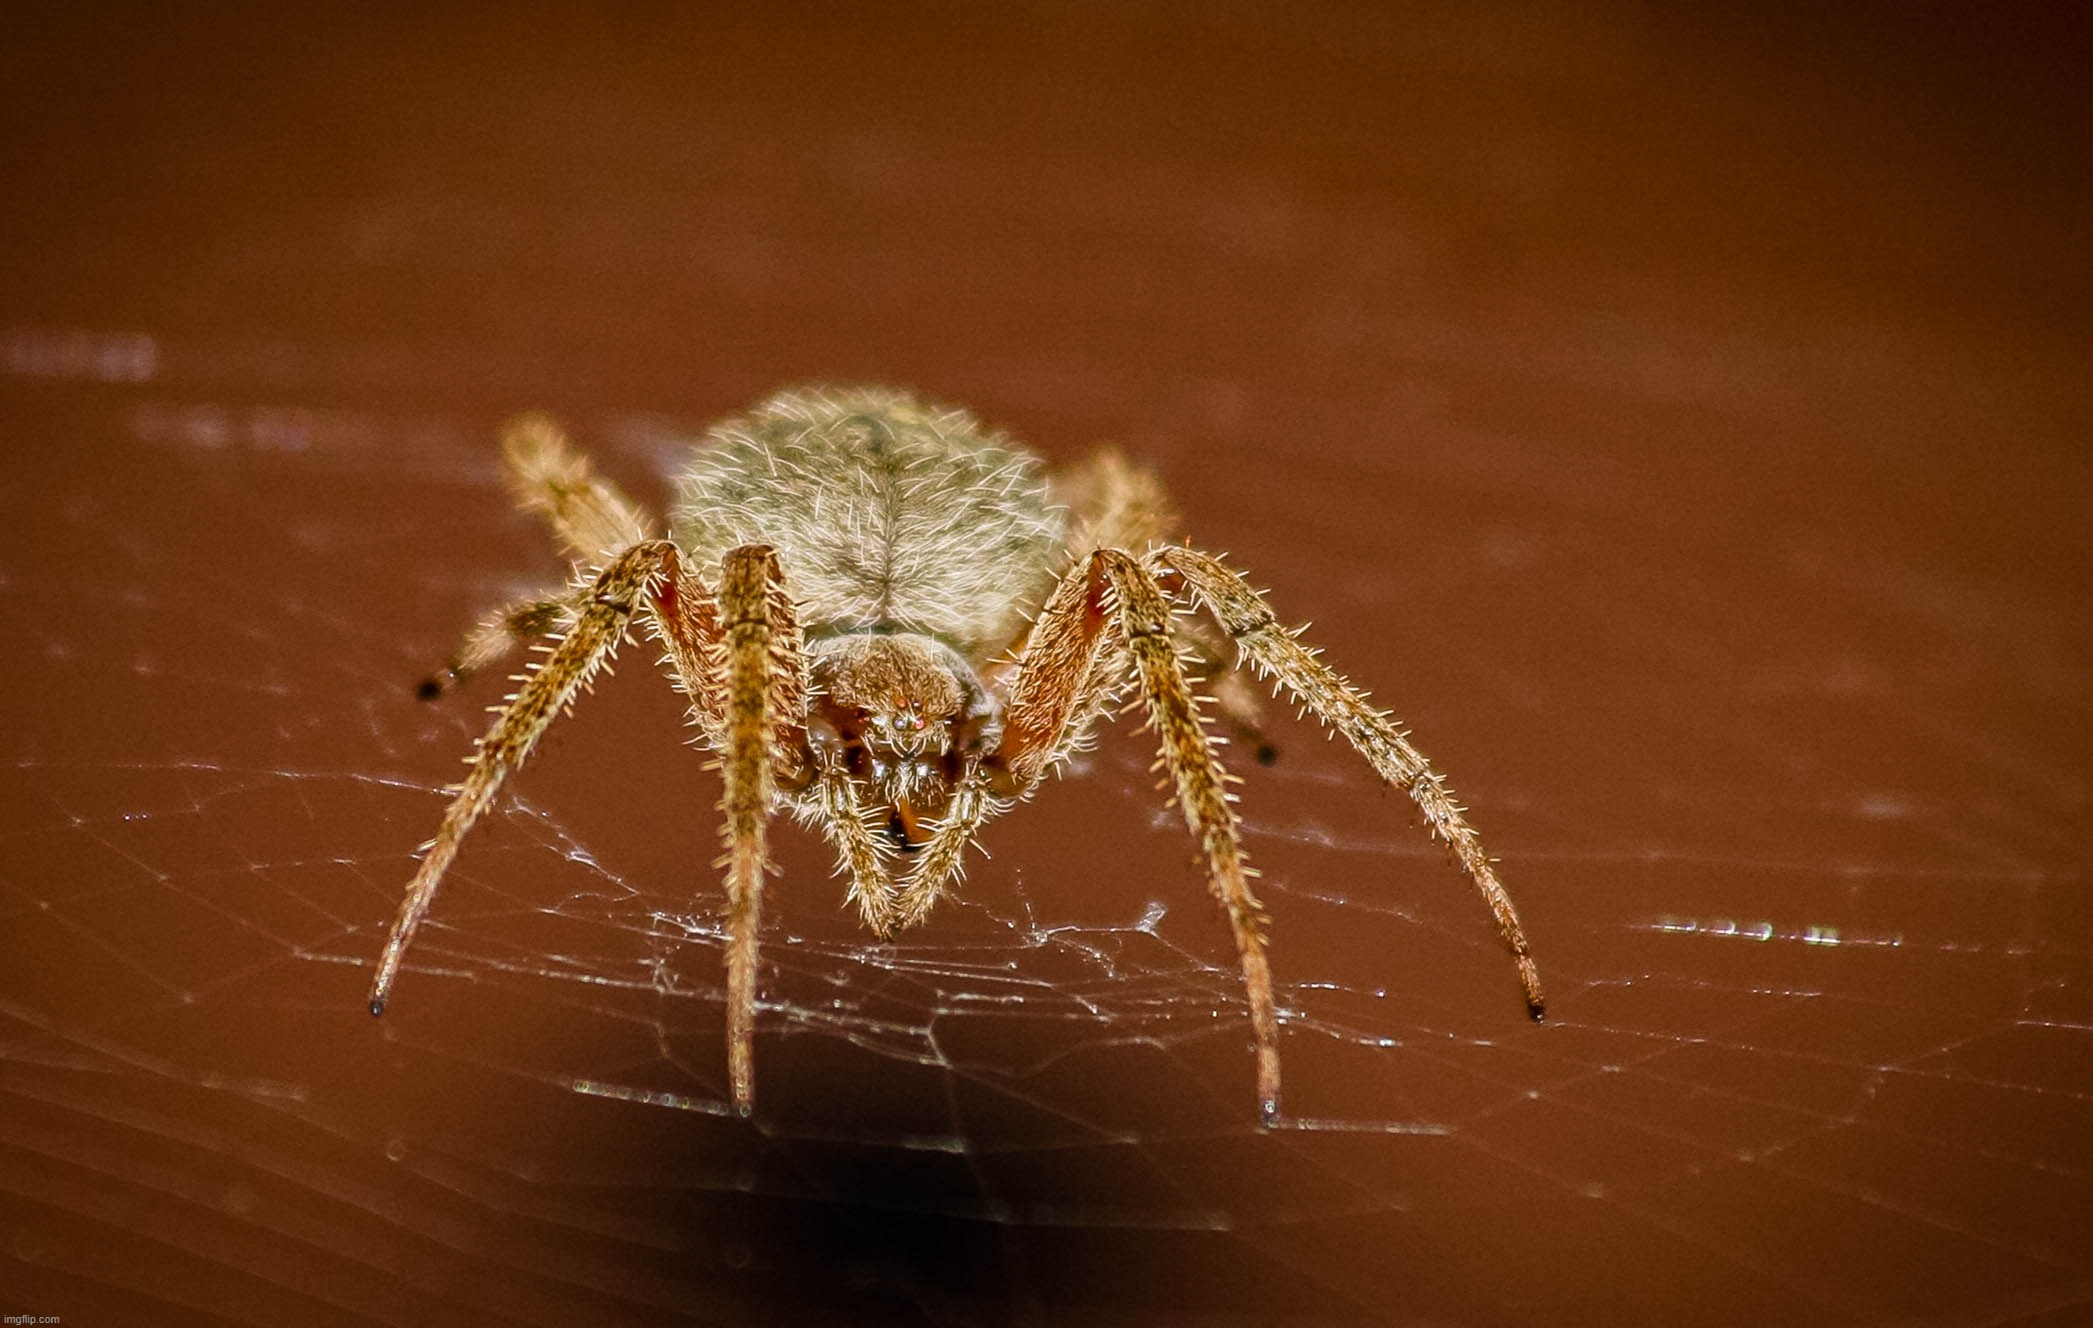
point(908, 628)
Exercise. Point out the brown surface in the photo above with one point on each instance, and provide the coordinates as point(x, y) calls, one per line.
point(1682, 423)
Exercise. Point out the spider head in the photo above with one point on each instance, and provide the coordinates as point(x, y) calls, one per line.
point(902, 714)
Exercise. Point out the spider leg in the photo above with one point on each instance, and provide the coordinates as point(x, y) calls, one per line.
point(859, 852)
point(1058, 690)
point(498, 634)
point(765, 697)
point(551, 477)
point(1275, 652)
point(546, 690)
point(1202, 791)
point(686, 620)
point(1115, 504)
point(594, 522)
point(939, 863)
point(1242, 709)
point(1063, 681)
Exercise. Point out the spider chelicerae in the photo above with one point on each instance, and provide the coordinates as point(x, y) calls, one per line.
point(890, 621)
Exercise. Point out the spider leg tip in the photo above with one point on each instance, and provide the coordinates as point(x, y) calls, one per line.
point(1268, 1112)
point(1537, 1011)
point(377, 1007)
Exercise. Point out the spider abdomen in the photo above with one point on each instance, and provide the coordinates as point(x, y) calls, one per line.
point(887, 514)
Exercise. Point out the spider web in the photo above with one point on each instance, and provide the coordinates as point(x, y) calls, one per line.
point(1765, 1060)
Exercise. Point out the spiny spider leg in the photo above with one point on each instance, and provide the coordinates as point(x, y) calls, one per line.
point(1060, 681)
point(766, 695)
point(939, 863)
point(593, 521)
point(553, 478)
point(1116, 504)
point(1274, 651)
point(546, 690)
point(686, 620)
point(1202, 790)
point(499, 633)
point(858, 850)
point(788, 684)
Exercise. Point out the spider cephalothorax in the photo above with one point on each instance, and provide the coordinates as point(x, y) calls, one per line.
point(906, 626)
point(905, 717)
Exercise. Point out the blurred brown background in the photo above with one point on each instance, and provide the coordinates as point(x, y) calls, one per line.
point(1679, 419)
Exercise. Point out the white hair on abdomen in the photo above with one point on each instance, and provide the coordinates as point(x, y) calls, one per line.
point(887, 513)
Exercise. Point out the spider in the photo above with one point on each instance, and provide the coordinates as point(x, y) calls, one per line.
point(886, 619)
